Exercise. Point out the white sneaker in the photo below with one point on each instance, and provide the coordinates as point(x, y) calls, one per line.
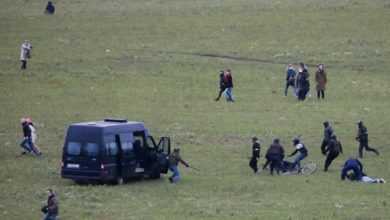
point(382, 180)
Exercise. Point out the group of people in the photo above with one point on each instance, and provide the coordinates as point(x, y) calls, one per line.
point(28, 142)
point(226, 85)
point(301, 84)
point(330, 146)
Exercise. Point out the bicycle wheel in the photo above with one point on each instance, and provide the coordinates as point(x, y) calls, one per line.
point(309, 168)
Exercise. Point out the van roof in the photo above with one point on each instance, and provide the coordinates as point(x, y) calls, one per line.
point(112, 126)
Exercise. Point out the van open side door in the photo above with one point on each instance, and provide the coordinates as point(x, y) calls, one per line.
point(163, 150)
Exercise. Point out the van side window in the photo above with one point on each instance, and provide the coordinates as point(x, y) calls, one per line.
point(91, 149)
point(74, 148)
point(127, 148)
point(111, 149)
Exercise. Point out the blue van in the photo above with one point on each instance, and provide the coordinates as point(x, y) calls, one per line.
point(112, 150)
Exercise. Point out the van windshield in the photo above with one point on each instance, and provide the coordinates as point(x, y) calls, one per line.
point(82, 149)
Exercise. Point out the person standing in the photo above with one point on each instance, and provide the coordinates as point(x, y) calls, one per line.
point(303, 153)
point(303, 82)
point(222, 86)
point(290, 79)
point(51, 207)
point(274, 156)
point(49, 8)
point(333, 149)
point(174, 160)
point(321, 81)
point(362, 137)
point(328, 131)
point(25, 53)
point(229, 85)
point(255, 155)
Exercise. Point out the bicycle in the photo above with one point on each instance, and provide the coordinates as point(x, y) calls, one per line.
point(288, 168)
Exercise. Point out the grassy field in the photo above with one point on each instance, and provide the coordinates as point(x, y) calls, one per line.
point(162, 68)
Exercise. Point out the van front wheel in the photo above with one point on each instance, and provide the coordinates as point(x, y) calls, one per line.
point(156, 172)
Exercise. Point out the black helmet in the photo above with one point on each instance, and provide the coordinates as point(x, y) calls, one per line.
point(295, 141)
point(326, 123)
point(254, 138)
point(276, 140)
point(333, 136)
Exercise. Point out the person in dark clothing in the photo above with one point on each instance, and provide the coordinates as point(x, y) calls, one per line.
point(49, 8)
point(303, 82)
point(290, 79)
point(274, 156)
point(355, 165)
point(27, 142)
point(333, 149)
point(51, 207)
point(362, 137)
point(255, 155)
point(299, 147)
point(365, 178)
point(222, 86)
point(328, 131)
point(173, 160)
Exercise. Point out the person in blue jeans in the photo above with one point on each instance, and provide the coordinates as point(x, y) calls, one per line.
point(173, 160)
point(290, 79)
point(299, 147)
point(26, 143)
point(355, 165)
point(229, 85)
point(51, 207)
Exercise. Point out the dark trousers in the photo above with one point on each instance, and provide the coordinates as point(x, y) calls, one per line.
point(322, 92)
point(288, 84)
point(253, 164)
point(323, 146)
point(302, 94)
point(220, 93)
point(24, 64)
point(364, 144)
point(331, 156)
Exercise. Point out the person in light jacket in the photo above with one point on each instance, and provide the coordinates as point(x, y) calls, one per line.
point(25, 53)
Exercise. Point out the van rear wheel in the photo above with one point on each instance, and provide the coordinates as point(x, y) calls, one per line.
point(118, 181)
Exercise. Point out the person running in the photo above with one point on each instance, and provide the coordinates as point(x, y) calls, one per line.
point(51, 208)
point(274, 156)
point(229, 86)
point(333, 150)
point(255, 155)
point(290, 79)
point(328, 131)
point(362, 137)
point(33, 136)
point(222, 86)
point(299, 147)
point(26, 143)
point(25, 53)
point(321, 81)
point(174, 160)
point(355, 165)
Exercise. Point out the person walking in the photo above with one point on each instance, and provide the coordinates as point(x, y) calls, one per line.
point(229, 85)
point(274, 156)
point(255, 155)
point(303, 83)
point(333, 149)
point(362, 137)
point(222, 86)
point(328, 131)
point(173, 160)
point(51, 209)
point(303, 153)
point(321, 81)
point(25, 53)
point(290, 79)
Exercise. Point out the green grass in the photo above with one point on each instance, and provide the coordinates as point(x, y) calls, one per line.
point(71, 79)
